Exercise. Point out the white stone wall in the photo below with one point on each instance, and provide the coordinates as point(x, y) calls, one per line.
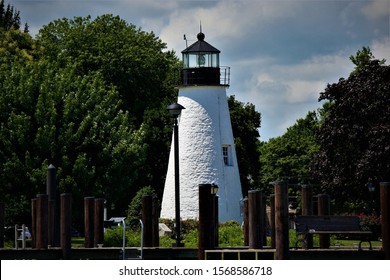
point(204, 126)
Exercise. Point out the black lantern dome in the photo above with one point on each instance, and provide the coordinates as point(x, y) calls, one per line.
point(201, 63)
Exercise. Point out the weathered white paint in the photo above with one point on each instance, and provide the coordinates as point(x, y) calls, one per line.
point(204, 127)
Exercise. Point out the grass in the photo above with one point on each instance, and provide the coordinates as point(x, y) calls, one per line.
point(228, 237)
point(334, 241)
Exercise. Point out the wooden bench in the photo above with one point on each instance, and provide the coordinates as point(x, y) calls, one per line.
point(345, 225)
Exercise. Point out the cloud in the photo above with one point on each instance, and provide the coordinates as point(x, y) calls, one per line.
point(381, 49)
point(376, 9)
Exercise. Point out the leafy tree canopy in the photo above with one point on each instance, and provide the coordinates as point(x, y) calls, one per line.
point(132, 60)
point(287, 157)
point(92, 108)
point(362, 59)
point(9, 17)
point(245, 123)
point(354, 146)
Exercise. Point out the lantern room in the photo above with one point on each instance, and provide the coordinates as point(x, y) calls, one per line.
point(200, 64)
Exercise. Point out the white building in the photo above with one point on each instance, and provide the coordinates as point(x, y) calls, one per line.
point(206, 145)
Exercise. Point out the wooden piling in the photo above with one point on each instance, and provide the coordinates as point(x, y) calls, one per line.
point(155, 222)
point(2, 223)
point(66, 225)
point(307, 209)
point(246, 222)
point(53, 219)
point(89, 216)
point(385, 217)
point(216, 220)
point(206, 233)
point(272, 219)
point(255, 217)
point(99, 221)
point(264, 222)
point(281, 222)
point(42, 222)
point(33, 222)
point(147, 220)
point(323, 210)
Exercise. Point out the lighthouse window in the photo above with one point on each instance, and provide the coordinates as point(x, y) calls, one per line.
point(226, 154)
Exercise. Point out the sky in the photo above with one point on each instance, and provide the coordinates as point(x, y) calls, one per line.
point(282, 53)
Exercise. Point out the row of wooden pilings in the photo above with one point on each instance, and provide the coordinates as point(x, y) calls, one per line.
point(255, 221)
point(255, 218)
point(94, 223)
point(43, 225)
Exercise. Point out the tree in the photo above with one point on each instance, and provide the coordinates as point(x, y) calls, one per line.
point(54, 116)
point(9, 18)
point(88, 102)
point(132, 60)
point(288, 157)
point(136, 64)
point(245, 123)
point(362, 59)
point(354, 146)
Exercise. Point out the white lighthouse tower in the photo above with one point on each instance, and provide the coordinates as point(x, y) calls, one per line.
point(206, 145)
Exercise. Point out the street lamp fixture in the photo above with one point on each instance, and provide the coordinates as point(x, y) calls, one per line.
point(214, 189)
point(175, 110)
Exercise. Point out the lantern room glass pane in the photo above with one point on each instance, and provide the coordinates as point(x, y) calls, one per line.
point(199, 59)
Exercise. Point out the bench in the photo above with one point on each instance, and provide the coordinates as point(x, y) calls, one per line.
point(345, 225)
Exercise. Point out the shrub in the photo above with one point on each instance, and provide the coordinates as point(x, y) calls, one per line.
point(135, 206)
point(186, 226)
point(190, 239)
point(230, 234)
point(369, 220)
point(166, 241)
point(114, 238)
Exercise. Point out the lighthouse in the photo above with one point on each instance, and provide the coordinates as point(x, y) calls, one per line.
point(206, 151)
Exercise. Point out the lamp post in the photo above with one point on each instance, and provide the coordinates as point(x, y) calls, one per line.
point(175, 110)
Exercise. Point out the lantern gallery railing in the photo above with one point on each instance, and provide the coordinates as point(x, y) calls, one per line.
point(206, 76)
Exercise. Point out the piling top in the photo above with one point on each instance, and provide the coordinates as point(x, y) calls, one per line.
point(278, 183)
point(51, 166)
point(254, 191)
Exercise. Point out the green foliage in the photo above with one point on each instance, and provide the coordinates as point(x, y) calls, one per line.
point(74, 122)
point(185, 226)
point(354, 146)
point(289, 156)
point(368, 221)
point(135, 206)
point(190, 239)
point(114, 237)
point(9, 17)
point(166, 241)
point(132, 60)
point(362, 59)
point(245, 123)
point(90, 100)
point(230, 234)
